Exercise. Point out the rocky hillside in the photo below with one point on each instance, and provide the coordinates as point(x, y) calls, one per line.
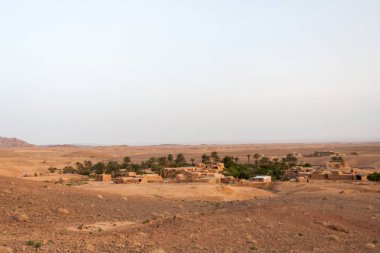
point(13, 142)
point(314, 217)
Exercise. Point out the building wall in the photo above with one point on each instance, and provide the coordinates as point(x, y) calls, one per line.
point(103, 177)
point(341, 177)
point(318, 176)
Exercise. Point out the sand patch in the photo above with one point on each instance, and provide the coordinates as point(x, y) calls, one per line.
point(226, 189)
point(100, 226)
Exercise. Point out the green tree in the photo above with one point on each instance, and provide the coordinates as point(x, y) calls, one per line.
point(337, 159)
point(170, 159)
point(113, 168)
point(205, 158)
point(162, 161)
point(151, 161)
point(84, 169)
point(79, 165)
point(264, 162)
point(249, 159)
point(374, 176)
point(88, 165)
point(69, 169)
point(127, 160)
point(135, 167)
point(215, 157)
point(291, 160)
point(256, 157)
point(180, 160)
point(99, 168)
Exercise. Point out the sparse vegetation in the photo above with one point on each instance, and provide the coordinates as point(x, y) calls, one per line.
point(69, 169)
point(115, 168)
point(262, 166)
point(374, 176)
point(194, 206)
point(337, 159)
point(52, 169)
point(34, 243)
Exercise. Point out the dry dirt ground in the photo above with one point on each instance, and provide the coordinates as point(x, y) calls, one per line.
point(26, 161)
point(300, 217)
point(180, 191)
point(290, 217)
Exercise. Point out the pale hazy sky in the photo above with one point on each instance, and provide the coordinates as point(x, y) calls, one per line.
point(150, 72)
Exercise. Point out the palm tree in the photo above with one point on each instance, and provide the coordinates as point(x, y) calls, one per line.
point(162, 161)
point(205, 158)
point(170, 159)
point(215, 157)
point(249, 157)
point(236, 159)
point(264, 162)
point(256, 156)
point(180, 160)
point(192, 161)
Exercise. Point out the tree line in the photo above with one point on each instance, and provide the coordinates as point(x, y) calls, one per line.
point(261, 165)
point(255, 165)
point(115, 168)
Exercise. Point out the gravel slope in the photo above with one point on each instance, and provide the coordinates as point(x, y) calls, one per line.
point(316, 217)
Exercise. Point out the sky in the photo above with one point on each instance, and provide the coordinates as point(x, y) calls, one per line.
point(189, 72)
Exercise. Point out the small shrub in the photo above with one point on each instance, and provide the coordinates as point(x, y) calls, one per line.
point(37, 244)
point(69, 169)
point(52, 169)
point(374, 176)
point(34, 243)
point(146, 221)
point(29, 242)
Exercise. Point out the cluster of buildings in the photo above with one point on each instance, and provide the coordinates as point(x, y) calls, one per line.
point(200, 173)
point(323, 154)
point(208, 173)
point(331, 171)
point(131, 177)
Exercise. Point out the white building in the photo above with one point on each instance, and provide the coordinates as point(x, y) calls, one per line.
point(266, 179)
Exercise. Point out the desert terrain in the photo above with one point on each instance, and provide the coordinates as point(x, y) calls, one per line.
point(37, 213)
point(314, 217)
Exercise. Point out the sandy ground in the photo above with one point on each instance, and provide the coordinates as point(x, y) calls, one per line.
point(37, 214)
point(314, 217)
point(184, 191)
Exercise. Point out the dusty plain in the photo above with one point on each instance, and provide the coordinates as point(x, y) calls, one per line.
point(320, 216)
point(20, 161)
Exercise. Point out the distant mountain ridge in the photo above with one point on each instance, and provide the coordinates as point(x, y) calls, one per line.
point(13, 143)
